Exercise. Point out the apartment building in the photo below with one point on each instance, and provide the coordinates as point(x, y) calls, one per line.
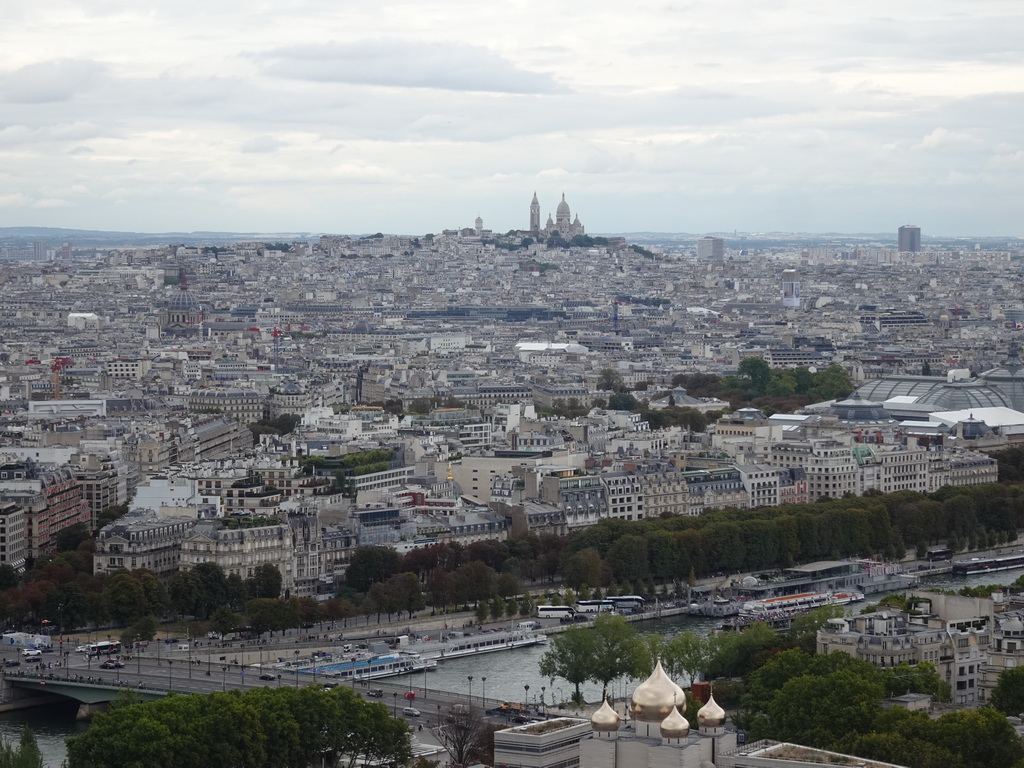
point(142, 539)
point(240, 545)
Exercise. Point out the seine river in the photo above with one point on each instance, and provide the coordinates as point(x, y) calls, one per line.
point(506, 675)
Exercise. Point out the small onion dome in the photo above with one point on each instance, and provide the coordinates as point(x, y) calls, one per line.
point(675, 726)
point(711, 715)
point(654, 697)
point(606, 719)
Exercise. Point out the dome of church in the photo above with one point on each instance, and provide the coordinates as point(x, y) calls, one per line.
point(1013, 625)
point(563, 207)
point(606, 719)
point(675, 726)
point(654, 697)
point(184, 301)
point(711, 715)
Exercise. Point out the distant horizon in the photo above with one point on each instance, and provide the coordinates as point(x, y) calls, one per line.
point(27, 230)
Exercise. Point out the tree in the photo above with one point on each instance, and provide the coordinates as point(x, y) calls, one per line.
point(571, 656)
point(618, 650)
point(756, 375)
point(688, 654)
point(183, 590)
point(583, 568)
point(460, 732)
point(1008, 695)
point(126, 597)
point(224, 620)
point(610, 380)
point(142, 630)
point(370, 565)
point(266, 581)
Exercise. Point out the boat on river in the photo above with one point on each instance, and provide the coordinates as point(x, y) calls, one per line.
point(373, 667)
point(792, 604)
point(459, 644)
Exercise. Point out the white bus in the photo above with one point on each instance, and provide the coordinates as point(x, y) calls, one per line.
point(628, 602)
point(555, 612)
point(104, 648)
point(594, 606)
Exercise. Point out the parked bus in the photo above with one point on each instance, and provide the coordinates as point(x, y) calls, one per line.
point(628, 603)
point(594, 606)
point(555, 612)
point(104, 648)
point(939, 553)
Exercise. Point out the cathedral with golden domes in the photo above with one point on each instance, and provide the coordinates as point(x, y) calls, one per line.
point(563, 224)
point(653, 734)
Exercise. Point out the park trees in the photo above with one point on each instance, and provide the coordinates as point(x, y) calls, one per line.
point(370, 565)
point(260, 728)
point(1008, 695)
point(570, 656)
point(618, 650)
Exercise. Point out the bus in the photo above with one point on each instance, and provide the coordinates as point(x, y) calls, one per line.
point(104, 648)
point(628, 603)
point(594, 606)
point(555, 612)
point(939, 553)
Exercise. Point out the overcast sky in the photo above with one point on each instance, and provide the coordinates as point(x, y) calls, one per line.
point(353, 116)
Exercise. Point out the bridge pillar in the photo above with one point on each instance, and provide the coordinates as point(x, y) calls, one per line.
point(86, 711)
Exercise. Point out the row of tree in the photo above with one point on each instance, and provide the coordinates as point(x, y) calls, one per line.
point(272, 727)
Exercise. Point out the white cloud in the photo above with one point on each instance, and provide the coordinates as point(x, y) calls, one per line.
point(942, 138)
point(48, 81)
point(399, 63)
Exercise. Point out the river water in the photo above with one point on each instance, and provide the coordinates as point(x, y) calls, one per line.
point(500, 675)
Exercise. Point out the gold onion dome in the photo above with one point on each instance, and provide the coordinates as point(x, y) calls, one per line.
point(711, 715)
point(675, 726)
point(605, 719)
point(656, 696)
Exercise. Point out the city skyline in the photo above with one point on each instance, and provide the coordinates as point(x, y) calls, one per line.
point(366, 117)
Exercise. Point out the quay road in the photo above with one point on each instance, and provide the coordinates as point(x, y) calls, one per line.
point(202, 675)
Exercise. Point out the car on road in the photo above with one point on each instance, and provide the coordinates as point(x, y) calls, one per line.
point(82, 649)
point(267, 676)
point(112, 664)
point(12, 663)
point(30, 652)
point(410, 712)
point(375, 693)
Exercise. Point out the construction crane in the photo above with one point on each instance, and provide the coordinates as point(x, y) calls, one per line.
point(57, 366)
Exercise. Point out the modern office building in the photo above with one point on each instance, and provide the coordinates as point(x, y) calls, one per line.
point(711, 249)
point(909, 238)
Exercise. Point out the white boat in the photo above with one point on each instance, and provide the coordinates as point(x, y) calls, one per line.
point(777, 607)
point(458, 645)
point(374, 667)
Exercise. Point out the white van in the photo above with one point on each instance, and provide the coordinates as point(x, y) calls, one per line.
point(31, 652)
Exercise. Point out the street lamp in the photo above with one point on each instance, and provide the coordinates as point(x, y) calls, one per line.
point(438, 715)
point(169, 668)
point(470, 678)
point(543, 705)
point(224, 678)
point(483, 693)
point(526, 697)
point(394, 707)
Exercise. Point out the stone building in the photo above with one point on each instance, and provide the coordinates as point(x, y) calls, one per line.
point(141, 539)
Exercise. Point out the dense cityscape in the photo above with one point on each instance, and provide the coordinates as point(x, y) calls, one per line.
point(255, 435)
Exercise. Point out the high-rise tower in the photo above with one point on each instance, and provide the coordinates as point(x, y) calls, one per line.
point(910, 238)
point(535, 214)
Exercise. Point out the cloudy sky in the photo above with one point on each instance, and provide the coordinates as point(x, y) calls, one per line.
point(670, 116)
